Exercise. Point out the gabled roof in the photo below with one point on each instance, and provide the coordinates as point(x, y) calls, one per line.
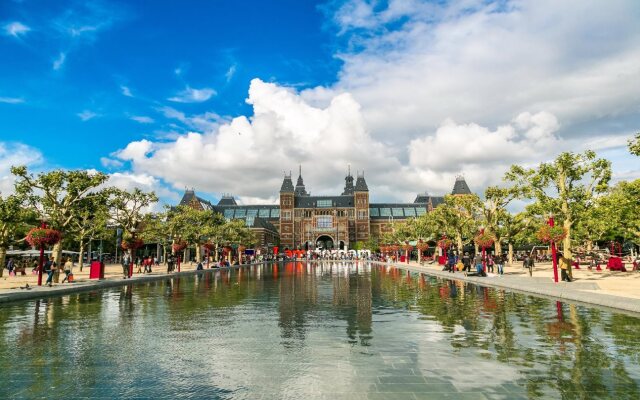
point(361, 184)
point(287, 184)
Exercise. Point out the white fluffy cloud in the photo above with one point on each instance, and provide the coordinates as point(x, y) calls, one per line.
point(523, 80)
point(248, 156)
point(15, 154)
point(413, 64)
point(527, 138)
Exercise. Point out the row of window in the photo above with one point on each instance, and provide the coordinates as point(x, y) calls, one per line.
point(231, 213)
point(397, 211)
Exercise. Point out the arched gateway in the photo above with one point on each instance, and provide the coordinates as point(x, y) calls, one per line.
point(324, 242)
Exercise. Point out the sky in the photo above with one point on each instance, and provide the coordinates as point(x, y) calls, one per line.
point(226, 96)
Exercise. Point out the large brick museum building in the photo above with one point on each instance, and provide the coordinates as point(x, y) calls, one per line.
point(303, 221)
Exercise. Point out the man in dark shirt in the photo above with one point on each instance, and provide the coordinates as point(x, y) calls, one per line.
point(466, 261)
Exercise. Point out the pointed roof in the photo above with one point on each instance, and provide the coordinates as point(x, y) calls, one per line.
point(361, 184)
point(460, 187)
point(348, 185)
point(300, 189)
point(287, 184)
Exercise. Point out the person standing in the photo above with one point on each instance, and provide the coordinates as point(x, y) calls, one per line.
point(49, 268)
point(477, 260)
point(490, 263)
point(125, 265)
point(451, 262)
point(10, 266)
point(499, 262)
point(565, 264)
point(466, 261)
point(68, 269)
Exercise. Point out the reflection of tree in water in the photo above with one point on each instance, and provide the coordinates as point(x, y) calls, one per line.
point(557, 354)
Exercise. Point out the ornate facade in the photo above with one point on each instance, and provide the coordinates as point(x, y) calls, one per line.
point(303, 221)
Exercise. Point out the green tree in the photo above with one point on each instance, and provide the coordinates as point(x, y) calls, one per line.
point(128, 211)
point(57, 195)
point(495, 212)
point(634, 145)
point(621, 208)
point(458, 217)
point(13, 222)
point(564, 187)
point(194, 226)
point(90, 221)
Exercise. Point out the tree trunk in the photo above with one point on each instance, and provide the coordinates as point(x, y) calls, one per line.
point(57, 257)
point(3, 255)
point(589, 246)
point(459, 243)
point(198, 252)
point(510, 253)
point(81, 254)
point(566, 243)
point(164, 254)
point(498, 246)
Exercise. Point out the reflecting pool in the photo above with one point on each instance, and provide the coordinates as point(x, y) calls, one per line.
point(327, 330)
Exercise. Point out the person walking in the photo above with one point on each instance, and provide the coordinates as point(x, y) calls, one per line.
point(565, 264)
point(138, 265)
point(49, 268)
point(528, 263)
point(451, 262)
point(126, 260)
point(490, 263)
point(68, 270)
point(169, 264)
point(10, 266)
point(477, 260)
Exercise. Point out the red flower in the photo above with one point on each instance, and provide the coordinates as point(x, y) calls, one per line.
point(549, 234)
point(179, 245)
point(43, 237)
point(484, 239)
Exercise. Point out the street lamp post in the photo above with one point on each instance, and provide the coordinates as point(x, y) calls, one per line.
point(484, 260)
point(554, 260)
point(41, 261)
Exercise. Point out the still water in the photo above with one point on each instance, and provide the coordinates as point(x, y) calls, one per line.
point(327, 330)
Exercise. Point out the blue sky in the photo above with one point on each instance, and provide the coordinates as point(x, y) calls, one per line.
point(224, 96)
point(124, 60)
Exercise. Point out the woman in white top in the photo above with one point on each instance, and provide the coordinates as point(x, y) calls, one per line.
point(68, 269)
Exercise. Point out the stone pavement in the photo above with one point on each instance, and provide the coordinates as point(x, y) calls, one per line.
point(14, 288)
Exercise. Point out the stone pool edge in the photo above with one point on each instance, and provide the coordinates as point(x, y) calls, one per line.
point(561, 292)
